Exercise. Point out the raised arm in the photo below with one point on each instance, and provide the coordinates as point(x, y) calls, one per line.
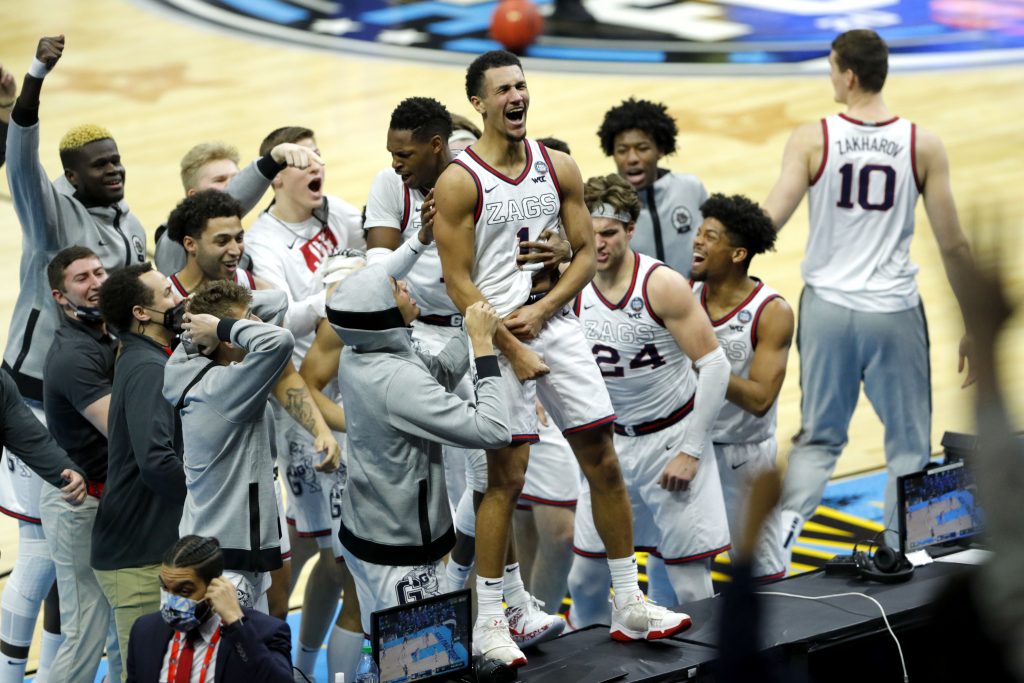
point(385, 208)
point(249, 184)
point(768, 368)
point(800, 163)
point(8, 91)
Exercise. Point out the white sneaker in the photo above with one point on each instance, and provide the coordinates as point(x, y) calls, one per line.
point(530, 625)
point(492, 640)
point(639, 619)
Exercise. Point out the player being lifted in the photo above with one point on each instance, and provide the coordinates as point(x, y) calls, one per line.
point(647, 332)
point(754, 325)
point(501, 191)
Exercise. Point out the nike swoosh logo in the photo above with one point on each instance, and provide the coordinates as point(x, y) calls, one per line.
point(736, 467)
point(488, 189)
point(492, 583)
point(587, 306)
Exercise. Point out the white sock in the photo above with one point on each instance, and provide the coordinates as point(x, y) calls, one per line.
point(488, 598)
point(457, 574)
point(13, 670)
point(624, 580)
point(344, 649)
point(513, 588)
point(305, 659)
point(48, 647)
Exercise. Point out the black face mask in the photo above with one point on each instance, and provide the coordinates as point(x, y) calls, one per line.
point(172, 317)
point(90, 315)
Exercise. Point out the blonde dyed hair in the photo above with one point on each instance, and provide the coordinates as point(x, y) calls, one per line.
point(199, 156)
point(80, 136)
point(615, 190)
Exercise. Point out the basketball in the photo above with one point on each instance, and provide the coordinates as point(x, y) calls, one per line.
point(516, 24)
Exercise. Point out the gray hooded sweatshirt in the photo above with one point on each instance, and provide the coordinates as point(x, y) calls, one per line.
point(400, 411)
point(227, 432)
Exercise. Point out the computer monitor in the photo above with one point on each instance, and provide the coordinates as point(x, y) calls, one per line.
point(937, 506)
point(426, 640)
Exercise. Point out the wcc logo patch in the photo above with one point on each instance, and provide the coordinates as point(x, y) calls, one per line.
point(744, 316)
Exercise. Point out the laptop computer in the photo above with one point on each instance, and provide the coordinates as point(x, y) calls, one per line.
point(428, 640)
point(938, 510)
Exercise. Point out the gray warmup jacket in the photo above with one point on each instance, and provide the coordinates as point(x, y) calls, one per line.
point(227, 432)
point(52, 219)
point(400, 411)
point(669, 218)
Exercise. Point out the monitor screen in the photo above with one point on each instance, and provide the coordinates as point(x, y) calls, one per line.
point(427, 640)
point(936, 506)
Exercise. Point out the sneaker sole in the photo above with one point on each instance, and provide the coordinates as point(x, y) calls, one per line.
point(625, 635)
point(542, 635)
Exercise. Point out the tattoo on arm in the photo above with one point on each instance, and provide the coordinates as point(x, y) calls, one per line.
point(299, 405)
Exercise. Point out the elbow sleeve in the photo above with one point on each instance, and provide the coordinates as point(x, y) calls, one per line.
point(712, 381)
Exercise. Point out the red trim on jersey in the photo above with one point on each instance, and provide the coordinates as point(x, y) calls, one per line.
point(647, 301)
point(177, 283)
point(577, 302)
point(913, 156)
point(551, 168)
point(544, 501)
point(502, 176)
point(757, 317)
point(290, 521)
point(286, 556)
point(479, 190)
point(869, 123)
point(588, 553)
point(770, 577)
point(313, 534)
point(520, 439)
point(405, 208)
point(629, 290)
point(252, 280)
point(698, 556)
point(590, 425)
point(18, 515)
point(727, 317)
point(824, 153)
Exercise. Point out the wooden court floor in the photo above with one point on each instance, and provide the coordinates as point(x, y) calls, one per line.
point(162, 84)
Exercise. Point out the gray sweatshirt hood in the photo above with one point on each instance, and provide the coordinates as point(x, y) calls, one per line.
point(363, 312)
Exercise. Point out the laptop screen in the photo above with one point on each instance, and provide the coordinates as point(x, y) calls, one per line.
point(427, 640)
point(936, 506)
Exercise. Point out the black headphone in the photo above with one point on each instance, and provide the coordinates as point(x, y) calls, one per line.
point(885, 565)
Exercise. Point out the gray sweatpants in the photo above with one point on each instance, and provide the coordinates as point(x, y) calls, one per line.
point(840, 348)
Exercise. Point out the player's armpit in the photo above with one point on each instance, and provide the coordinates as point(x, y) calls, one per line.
point(757, 394)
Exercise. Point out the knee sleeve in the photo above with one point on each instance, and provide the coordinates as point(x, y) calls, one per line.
point(28, 584)
point(690, 581)
point(589, 583)
point(465, 516)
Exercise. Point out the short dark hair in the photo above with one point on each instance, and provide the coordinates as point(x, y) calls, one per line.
point(746, 223)
point(488, 60)
point(218, 297)
point(425, 117)
point(64, 258)
point(555, 143)
point(200, 553)
point(192, 213)
point(122, 292)
point(863, 52)
point(285, 134)
point(650, 117)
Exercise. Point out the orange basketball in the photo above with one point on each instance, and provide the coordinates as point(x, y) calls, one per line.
point(516, 23)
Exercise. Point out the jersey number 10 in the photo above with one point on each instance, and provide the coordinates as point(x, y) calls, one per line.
point(863, 187)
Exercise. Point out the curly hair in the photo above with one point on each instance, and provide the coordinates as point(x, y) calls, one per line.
point(218, 298)
point(122, 292)
point(203, 554)
point(425, 117)
point(612, 189)
point(650, 117)
point(64, 258)
point(746, 223)
point(494, 59)
point(199, 156)
point(285, 134)
point(191, 215)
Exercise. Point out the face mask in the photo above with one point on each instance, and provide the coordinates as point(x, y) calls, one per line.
point(173, 317)
point(90, 315)
point(180, 613)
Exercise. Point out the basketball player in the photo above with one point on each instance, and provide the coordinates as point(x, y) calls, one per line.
point(754, 326)
point(219, 380)
point(502, 191)
point(638, 134)
point(401, 200)
point(288, 243)
point(646, 330)
point(861, 317)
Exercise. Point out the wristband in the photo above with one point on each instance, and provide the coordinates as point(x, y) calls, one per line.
point(38, 69)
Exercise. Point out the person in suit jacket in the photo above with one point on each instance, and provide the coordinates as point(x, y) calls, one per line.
point(201, 633)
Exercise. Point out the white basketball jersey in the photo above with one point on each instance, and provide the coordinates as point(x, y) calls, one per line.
point(391, 204)
point(737, 334)
point(648, 375)
point(510, 211)
point(862, 216)
point(242, 277)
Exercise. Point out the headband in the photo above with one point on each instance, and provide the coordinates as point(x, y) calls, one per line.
point(606, 210)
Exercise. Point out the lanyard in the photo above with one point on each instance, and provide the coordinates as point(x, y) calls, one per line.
point(172, 667)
